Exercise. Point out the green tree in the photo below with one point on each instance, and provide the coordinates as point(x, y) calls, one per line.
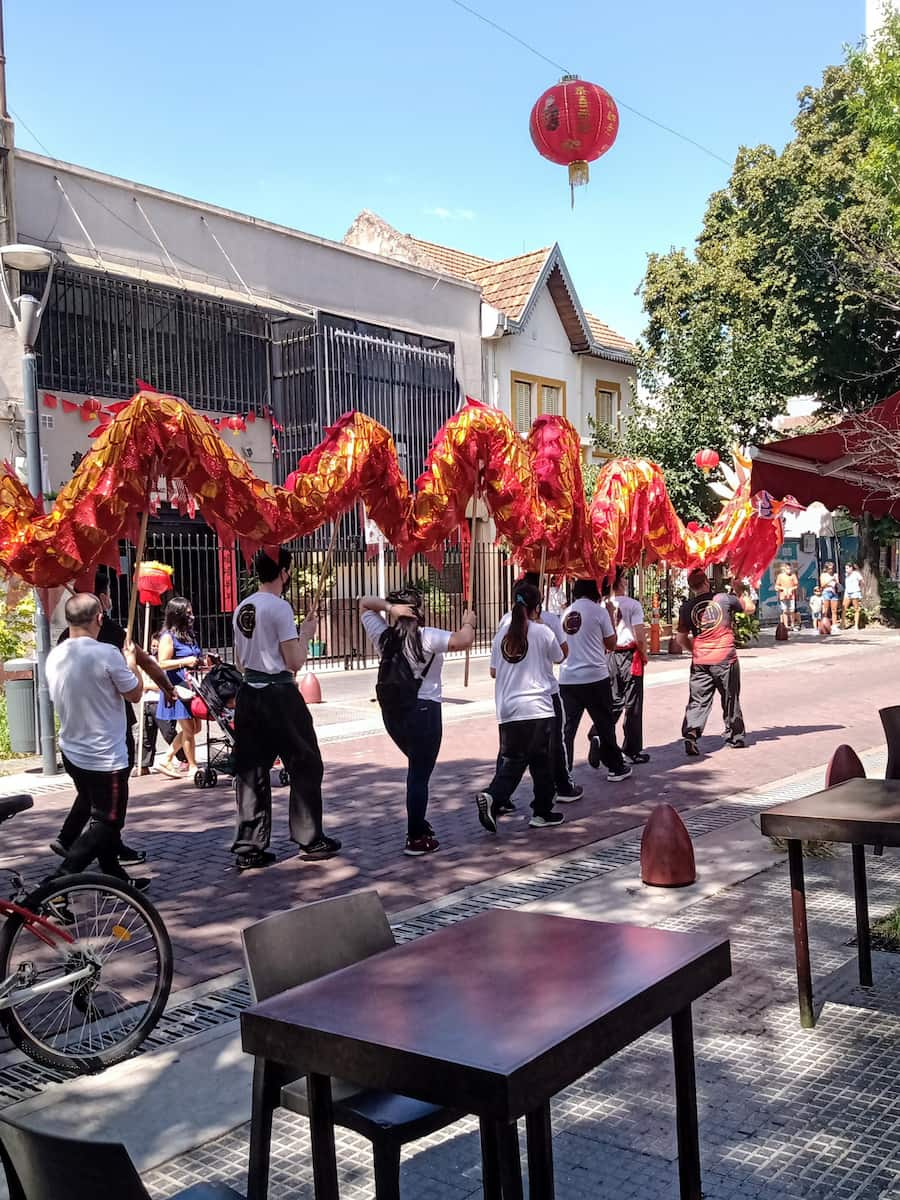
point(789, 288)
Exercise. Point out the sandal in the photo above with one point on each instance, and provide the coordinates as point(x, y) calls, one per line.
point(171, 771)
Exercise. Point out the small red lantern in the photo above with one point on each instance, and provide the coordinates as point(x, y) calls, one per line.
point(572, 124)
point(706, 460)
point(90, 408)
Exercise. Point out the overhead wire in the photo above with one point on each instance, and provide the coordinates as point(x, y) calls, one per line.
point(565, 70)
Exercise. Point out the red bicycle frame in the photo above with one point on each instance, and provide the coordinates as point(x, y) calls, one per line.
point(45, 931)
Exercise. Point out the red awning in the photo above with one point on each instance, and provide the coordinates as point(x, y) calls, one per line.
point(854, 464)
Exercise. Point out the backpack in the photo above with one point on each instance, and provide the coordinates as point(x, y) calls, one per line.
point(397, 688)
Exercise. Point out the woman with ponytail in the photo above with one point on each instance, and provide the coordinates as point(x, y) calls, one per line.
point(522, 660)
point(409, 692)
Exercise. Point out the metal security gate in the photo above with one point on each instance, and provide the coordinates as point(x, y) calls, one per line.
point(324, 369)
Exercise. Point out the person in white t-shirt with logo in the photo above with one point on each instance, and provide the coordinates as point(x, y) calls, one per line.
point(626, 672)
point(567, 790)
point(88, 680)
point(271, 720)
point(525, 653)
point(412, 714)
point(584, 677)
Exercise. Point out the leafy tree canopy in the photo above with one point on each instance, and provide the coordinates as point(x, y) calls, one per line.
point(793, 286)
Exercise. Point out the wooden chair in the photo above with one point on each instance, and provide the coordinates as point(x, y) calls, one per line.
point(42, 1166)
point(890, 719)
point(294, 947)
point(844, 765)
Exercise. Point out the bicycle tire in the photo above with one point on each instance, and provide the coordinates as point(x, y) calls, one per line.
point(124, 898)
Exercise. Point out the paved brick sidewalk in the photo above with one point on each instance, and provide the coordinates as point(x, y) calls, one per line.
point(816, 697)
point(785, 1113)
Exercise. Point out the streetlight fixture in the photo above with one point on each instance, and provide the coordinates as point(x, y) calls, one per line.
point(26, 312)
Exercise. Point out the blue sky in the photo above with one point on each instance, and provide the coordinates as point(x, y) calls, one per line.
point(304, 113)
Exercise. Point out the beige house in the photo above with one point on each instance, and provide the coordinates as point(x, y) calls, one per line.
point(541, 352)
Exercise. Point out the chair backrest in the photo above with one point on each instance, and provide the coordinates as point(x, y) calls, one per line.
point(290, 948)
point(41, 1166)
point(890, 719)
point(844, 765)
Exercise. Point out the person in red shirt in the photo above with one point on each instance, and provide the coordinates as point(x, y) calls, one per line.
point(706, 629)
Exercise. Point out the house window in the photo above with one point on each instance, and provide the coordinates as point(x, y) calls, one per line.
point(47, 421)
point(608, 405)
point(532, 396)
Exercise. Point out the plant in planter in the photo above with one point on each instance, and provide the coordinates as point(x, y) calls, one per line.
point(746, 629)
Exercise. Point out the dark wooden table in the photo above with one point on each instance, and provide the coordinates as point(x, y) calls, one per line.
point(492, 1016)
point(861, 812)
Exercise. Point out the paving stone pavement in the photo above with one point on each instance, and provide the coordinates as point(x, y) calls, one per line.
point(785, 1113)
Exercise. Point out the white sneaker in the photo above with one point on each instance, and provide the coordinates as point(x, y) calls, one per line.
point(614, 777)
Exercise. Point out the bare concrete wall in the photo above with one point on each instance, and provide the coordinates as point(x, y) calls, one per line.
point(274, 261)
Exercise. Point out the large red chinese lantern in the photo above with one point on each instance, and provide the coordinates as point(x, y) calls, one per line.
point(572, 124)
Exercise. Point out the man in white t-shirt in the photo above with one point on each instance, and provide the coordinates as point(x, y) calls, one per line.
point(88, 681)
point(584, 677)
point(626, 672)
point(567, 790)
point(271, 720)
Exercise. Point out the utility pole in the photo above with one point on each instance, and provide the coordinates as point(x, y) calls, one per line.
point(7, 147)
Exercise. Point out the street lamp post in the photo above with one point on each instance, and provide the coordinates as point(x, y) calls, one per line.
point(26, 312)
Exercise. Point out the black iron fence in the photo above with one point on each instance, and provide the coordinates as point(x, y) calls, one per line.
point(215, 579)
point(101, 332)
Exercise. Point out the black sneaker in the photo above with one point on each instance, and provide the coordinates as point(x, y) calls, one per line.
point(543, 822)
point(594, 753)
point(736, 743)
point(638, 758)
point(58, 848)
point(322, 847)
point(252, 860)
point(618, 776)
point(691, 749)
point(426, 844)
point(569, 797)
point(128, 855)
point(503, 810)
point(485, 802)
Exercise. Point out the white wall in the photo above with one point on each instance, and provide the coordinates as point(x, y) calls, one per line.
point(542, 349)
point(875, 14)
point(274, 261)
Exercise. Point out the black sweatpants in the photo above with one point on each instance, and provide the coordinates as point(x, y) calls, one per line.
point(560, 762)
point(525, 745)
point(705, 681)
point(82, 809)
point(627, 698)
point(596, 699)
point(271, 722)
point(106, 795)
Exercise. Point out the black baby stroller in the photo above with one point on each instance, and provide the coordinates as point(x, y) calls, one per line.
point(216, 690)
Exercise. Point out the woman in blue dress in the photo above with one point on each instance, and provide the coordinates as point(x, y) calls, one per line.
point(178, 650)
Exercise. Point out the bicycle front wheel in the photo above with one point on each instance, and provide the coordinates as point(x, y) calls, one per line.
point(90, 998)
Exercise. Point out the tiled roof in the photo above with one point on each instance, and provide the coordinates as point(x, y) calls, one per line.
point(453, 262)
point(607, 337)
point(506, 285)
